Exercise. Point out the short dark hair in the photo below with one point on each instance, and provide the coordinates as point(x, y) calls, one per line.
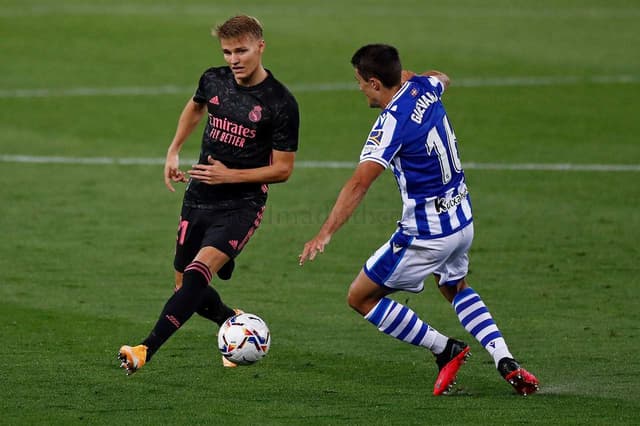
point(380, 61)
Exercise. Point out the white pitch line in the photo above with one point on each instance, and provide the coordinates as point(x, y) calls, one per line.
point(316, 10)
point(312, 87)
point(555, 167)
point(29, 159)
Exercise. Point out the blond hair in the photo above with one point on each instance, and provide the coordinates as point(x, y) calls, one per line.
point(239, 26)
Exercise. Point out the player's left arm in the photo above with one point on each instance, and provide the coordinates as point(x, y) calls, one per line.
point(216, 172)
point(440, 76)
point(444, 78)
point(348, 200)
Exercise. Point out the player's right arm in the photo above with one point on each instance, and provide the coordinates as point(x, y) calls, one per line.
point(189, 119)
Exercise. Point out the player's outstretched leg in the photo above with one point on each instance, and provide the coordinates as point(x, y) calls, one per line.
point(399, 321)
point(477, 320)
point(449, 362)
point(522, 381)
point(178, 309)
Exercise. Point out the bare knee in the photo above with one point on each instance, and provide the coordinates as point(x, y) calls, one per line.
point(450, 291)
point(355, 302)
point(364, 294)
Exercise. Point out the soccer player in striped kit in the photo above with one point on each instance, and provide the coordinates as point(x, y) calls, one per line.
point(413, 136)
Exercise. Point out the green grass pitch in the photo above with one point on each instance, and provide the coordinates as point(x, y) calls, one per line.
point(86, 251)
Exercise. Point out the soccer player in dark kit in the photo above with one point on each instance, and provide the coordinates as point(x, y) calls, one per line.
point(249, 142)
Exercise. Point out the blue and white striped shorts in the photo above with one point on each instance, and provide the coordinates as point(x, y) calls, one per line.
point(404, 262)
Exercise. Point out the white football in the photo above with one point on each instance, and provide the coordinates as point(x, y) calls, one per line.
point(244, 339)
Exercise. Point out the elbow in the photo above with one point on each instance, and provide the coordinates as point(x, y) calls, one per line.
point(283, 174)
point(446, 81)
point(444, 78)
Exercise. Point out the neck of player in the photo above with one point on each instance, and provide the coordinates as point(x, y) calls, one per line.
point(387, 94)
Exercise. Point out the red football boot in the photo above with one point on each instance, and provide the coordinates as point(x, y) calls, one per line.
point(449, 362)
point(522, 381)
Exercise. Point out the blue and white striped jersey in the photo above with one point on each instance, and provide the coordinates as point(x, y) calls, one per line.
point(413, 136)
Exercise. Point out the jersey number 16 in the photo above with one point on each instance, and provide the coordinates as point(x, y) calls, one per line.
point(446, 157)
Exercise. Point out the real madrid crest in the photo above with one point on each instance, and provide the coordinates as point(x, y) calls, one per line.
point(255, 114)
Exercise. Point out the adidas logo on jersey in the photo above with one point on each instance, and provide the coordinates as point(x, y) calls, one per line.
point(214, 100)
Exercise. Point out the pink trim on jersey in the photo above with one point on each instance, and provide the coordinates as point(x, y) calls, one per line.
point(200, 267)
point(256, 224)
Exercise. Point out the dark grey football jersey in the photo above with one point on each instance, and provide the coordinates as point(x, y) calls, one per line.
point(244, 125)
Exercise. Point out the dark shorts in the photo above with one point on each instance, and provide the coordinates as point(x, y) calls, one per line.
point(227, 230)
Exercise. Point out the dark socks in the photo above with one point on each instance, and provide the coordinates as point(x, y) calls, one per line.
point(181, 306)
point(213, 308)
point(227, 269)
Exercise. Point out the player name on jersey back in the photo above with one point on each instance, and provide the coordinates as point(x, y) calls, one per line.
point(422, 104)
